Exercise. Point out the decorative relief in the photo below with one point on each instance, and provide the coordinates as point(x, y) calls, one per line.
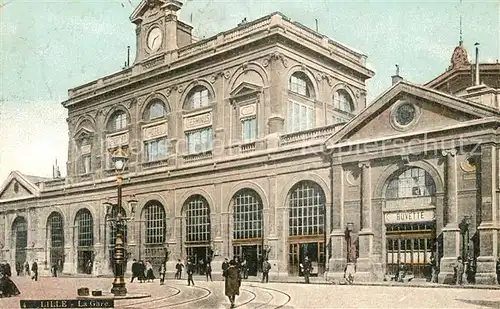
point(330, 80)
point(248, 110)
point(227, 74)
point(244, 66)
point(318, 77)
point(168, 91)
point(85, 149)
point(272, 57)
point(195, 81)
point(155, 131)
point(117, 140)
point(198, 121)
point(468, 166)
point(213, 78)
point(352, 177)
point(180, 88)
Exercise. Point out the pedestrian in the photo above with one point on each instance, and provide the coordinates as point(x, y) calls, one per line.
point(135, 270)
point(142, 270)
point(27, 269)
point(178, 269)
point(498, 270)
point(459, 271)
point(7, 286)
point(34, 269)
point(306, 269)
point(208, 270)
point(266, 266)
point(471, 271)
point(89, 267)
point(190, 269)
point(149, 272)
point(434, 270)
point(53, 268)
point(225, 265)
point(162, 270)
point(244, 268)
point(232, 282)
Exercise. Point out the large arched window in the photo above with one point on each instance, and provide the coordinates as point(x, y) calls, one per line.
point(197, 215)
point(55, 233)
point(84, 230)
point(155, 233)
point(155, 110)
point(301, 109)
point(410, 182)
point(20, 238)
point(198, 97)
point(154, 215)
point(247, 216)
point(306, 204)
point(343, 101)
point(118, 121)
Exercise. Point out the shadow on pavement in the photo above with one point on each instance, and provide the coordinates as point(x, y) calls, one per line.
point(483, 303)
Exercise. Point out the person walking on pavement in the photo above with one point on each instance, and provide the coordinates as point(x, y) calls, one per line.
point(208, 270)
point(233, 282)
point(178, 269)
point(27, 269)
point(244, 268)
point(149, 272)
point(34, 269)
point(266, 266)
point(459, 271)
point(190, 269)
point(225, 265)
point(162, 271)
point(135, 270)
point(306, 269)
point(53, 268)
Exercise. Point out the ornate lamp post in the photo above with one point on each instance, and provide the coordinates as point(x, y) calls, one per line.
point(120, 159)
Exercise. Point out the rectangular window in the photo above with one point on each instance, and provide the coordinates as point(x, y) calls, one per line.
point(121, 121)
point(199, 141)
point(249, 129)
point(300, 117)
point(199, 99)
point(86, 164)
point(155, 149)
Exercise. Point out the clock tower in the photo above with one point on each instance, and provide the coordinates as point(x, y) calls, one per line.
point(158, 31)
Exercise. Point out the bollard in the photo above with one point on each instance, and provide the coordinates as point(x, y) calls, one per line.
point(83, 292)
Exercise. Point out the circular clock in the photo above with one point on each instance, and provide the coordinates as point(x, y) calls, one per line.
point(154, 39)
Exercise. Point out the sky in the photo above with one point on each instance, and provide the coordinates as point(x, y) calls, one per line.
point(48, 47)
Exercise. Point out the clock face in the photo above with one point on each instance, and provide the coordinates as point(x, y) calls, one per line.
point(154, 39)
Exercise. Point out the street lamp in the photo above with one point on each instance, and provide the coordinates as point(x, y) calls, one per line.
point(119, 158)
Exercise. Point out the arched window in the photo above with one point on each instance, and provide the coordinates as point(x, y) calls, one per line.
point(154, 214)
point(118, 121)
point(197, 97)
point(197, 220)
point(56, 237)
point(86, 151)
point(306, 204)
point(301, 106)
point(20, 239)
point(155, 233)
point(343, 101)
point(155, 110)
point(84, 230)
point(247, 215)
point(410, 182)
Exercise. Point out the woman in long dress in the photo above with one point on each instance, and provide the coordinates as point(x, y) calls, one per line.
point(7, 286)
point(149, 272)
point(233, 282)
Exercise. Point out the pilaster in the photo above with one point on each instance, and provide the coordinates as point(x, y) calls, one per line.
point(336, 262)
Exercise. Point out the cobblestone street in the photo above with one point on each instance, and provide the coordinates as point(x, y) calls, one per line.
point(176, 294)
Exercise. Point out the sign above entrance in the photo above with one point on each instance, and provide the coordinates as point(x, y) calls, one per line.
point(410, 216)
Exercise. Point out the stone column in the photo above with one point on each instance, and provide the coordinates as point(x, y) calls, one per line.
point(364, 267)
point(451, 232)
point(488, 230)
point(337, 261)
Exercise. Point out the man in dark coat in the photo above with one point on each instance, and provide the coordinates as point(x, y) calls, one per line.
point(266, 266)
point(135, 270)
point(233, 282)
point(190, 269)
point(225, 266)
point(306, 269)
point(34, 269)
point(7, 286)
point(178, 269)
point(54, 269)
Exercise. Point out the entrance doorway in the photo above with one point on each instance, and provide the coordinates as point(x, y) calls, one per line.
point(315, 251)
point(84, 256)
point(253, 256)
point(199, 256)
point(57, 258)
point(411, 244)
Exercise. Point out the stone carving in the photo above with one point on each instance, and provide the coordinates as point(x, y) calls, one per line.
point(244, 66)
point(227, 74)
point(168, 91)
point(195, 81)
point(213, 78)
point(180, 88)
point(318, 77)
point(272, 57)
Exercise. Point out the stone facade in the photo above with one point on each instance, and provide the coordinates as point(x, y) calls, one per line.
point(201, 182)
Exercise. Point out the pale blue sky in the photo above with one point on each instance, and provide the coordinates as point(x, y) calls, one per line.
point(47, 47)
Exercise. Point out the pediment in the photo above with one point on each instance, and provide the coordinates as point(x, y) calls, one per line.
point(82, 133)
point(17, 186)
point(245, 89)
point(407, 108)
point(148, 8)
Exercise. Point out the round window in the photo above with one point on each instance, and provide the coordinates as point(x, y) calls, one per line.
point(405, 114)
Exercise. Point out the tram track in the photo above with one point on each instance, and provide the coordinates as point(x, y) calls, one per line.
point(248, 301)
point(289, 297)
point(185, 301)
point(125, 306)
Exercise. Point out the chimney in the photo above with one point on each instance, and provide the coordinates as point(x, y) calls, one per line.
point(396, 78)
point(477, 64)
